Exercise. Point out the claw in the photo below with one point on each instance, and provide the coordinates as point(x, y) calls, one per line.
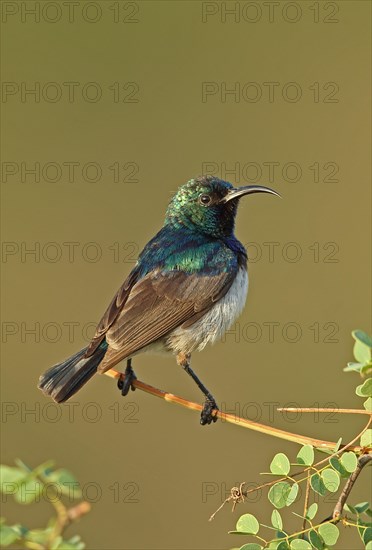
point(208, 414)
point(126, 380)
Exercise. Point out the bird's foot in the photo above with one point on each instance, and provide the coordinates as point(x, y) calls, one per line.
point(209, 412)
point(126, 380)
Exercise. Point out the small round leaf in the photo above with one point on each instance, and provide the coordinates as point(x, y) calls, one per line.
point(278, 494)
point(329, 533)
point(9, 474)
point(29, 491)
point(316, 540)
point(366, 439)
point(336, 465)
point(367, 535)
point(331, 479)
point(247, 523)
point(317, 484)
point(306, 455)
point(368, 404)
point(349, 461)
point(292, 495)
point(362, 337)
point(365, 389)
point(280, 465)
point(362, 347)
point(276, 520)
point(312, 510)
point(251, 546)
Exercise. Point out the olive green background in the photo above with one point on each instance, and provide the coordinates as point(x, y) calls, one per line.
point(173, 463)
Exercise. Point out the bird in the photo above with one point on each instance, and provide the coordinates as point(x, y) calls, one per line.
point(187, 288)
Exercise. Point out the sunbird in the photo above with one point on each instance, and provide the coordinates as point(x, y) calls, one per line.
point(187, 288)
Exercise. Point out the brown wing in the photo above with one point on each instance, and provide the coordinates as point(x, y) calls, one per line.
point(156, 305)
point(111, 313)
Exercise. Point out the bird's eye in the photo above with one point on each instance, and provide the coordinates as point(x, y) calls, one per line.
point(205, 199)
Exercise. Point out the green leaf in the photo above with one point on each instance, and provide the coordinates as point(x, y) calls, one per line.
point(316, 540)
point(329, 533)
point(361, 527)
point(66, 482)
point(362, 353)
point(248, 524)
point(363, 337)
point(280, 465)
point(349, 461)
point(365, 389)
point(292, 494)
point(306, 455)
point(251, 546)
point(353, 367)
point(300, 544)
point(276, 520)
point(336, 465)
point(317, 484)
point(369, 545)
point(8, 534)
point(366, 369)
point(29, 491)
point(283, 545)
point(349, 508)
point(311, 511)
point(361, 507)
point(366, 439)
point(278, 494)
point(362, 346)
point(367, 535)
point(9, 475)
point(331, 479)
point(368, 404)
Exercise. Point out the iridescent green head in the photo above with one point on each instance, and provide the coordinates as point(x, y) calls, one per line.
point(208, 205)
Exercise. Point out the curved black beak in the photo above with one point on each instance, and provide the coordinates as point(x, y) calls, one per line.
point(247, 190)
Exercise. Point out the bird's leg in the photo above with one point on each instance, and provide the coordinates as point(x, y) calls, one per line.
point(210, 404)
point(125, 382)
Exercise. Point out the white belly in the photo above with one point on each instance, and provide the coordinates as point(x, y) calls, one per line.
point(214, 324)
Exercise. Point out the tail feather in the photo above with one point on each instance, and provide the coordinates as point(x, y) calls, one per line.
point(63, 380)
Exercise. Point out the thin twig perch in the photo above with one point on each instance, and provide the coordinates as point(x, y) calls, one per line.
point(233, 419)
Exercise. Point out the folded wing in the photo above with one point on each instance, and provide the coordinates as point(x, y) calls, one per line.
point(149, 309)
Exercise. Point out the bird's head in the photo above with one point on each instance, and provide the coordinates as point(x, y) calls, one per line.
point(209, 205)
